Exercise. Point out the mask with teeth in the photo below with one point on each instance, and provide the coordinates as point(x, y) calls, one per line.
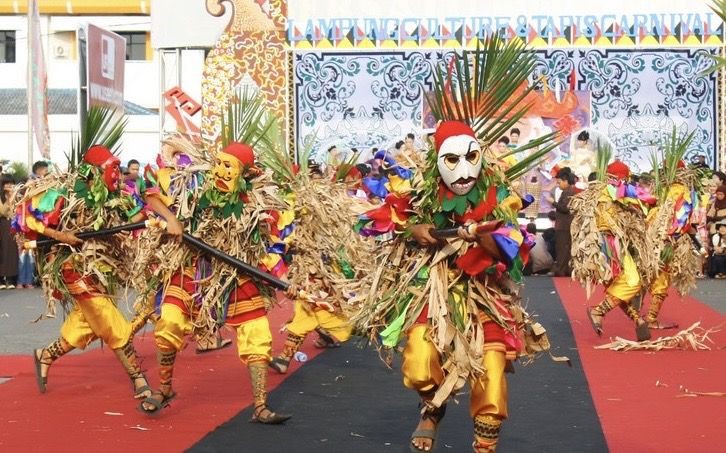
point(459, 156)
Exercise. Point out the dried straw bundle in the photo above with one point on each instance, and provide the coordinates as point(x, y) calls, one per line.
point(410, 278)
point(684, 266)
point(102, 259)
point(695, 338)
point(243, 237)
point(326, 247)
point(595, 215)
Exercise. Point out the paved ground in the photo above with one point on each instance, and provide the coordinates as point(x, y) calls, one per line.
point(20, 307)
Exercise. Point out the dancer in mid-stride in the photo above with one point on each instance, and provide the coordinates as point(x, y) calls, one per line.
point(231, 205)
point(82, 275)
point(607, 252)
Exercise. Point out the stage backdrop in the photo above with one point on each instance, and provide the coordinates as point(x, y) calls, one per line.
point(374, 98)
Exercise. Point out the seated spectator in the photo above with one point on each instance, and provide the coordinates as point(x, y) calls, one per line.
point(717, 209)
point(540, 260)
point(718, 258)
point(718, 179)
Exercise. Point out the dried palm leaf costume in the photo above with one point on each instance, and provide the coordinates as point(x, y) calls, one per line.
point(329, 263)
point(605, 250)
point(180, 158)
point(672, 219)
point(229, 211)
point(456, 301)
point(83, 278)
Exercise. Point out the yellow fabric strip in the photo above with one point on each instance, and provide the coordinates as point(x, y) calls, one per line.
point(79, 7)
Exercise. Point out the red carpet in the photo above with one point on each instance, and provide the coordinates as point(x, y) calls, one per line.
point(636, 414)
point(89, 407)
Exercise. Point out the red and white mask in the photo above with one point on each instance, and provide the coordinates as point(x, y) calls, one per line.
point(459, 156)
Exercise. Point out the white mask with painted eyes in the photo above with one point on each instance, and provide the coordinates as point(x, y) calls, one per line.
point(459, 163)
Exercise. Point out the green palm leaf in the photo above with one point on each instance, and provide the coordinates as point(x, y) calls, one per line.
point(248, 121)
point(342, 171)
point(718, 7)
point(103, 126)
point(603, 156)
point(486, 89)
point(666, 169)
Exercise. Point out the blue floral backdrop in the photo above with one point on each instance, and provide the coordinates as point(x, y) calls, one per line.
point(372, 99)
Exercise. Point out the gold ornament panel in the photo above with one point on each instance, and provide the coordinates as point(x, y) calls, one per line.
point(253, 45)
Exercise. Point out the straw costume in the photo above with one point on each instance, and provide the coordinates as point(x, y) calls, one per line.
point(455, 299)
point(329, 260)
point(83, 275)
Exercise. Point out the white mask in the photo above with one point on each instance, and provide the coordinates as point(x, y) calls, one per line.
point(459, 163)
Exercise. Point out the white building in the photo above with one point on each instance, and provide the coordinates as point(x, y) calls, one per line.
point(60, 21)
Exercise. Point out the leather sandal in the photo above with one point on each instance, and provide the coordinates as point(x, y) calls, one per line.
point(272, 418)
point(279, 364)
point(220, 344)
point(596, 325)
point(434, 415)
point(642, 332)
point(39, 362)
point(140, 392)
point(158, 404)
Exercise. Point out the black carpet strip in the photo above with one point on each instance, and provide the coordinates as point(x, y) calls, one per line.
point(346, 400)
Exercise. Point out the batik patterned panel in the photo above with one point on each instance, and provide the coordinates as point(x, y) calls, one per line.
point(638, 97)
point(359, 100)
point(372, 99)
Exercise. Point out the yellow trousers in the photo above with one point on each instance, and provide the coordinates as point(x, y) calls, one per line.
point(95, 317)
point(623, 289)
point(422, 372)
point(253, 337)
point(305, 320)
point(659, 287)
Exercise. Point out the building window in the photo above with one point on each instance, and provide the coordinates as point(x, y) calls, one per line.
point(135, 45)
point(7, 46)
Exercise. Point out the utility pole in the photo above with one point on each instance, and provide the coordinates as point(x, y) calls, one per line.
point(29, 80)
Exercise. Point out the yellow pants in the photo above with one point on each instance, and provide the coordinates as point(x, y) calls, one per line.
point(422, 372)
point(253, 337)
point(659, 287)
point(92, 318)
point(622, 289)
point(305, 320)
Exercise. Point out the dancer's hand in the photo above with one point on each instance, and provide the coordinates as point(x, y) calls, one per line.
point(292, 292)
point(465, 232)
point(486, 241)
point(422, 234)
point(174, 228)
point(68, 238)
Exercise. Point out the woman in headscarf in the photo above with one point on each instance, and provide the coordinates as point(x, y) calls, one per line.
point(717, 210)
